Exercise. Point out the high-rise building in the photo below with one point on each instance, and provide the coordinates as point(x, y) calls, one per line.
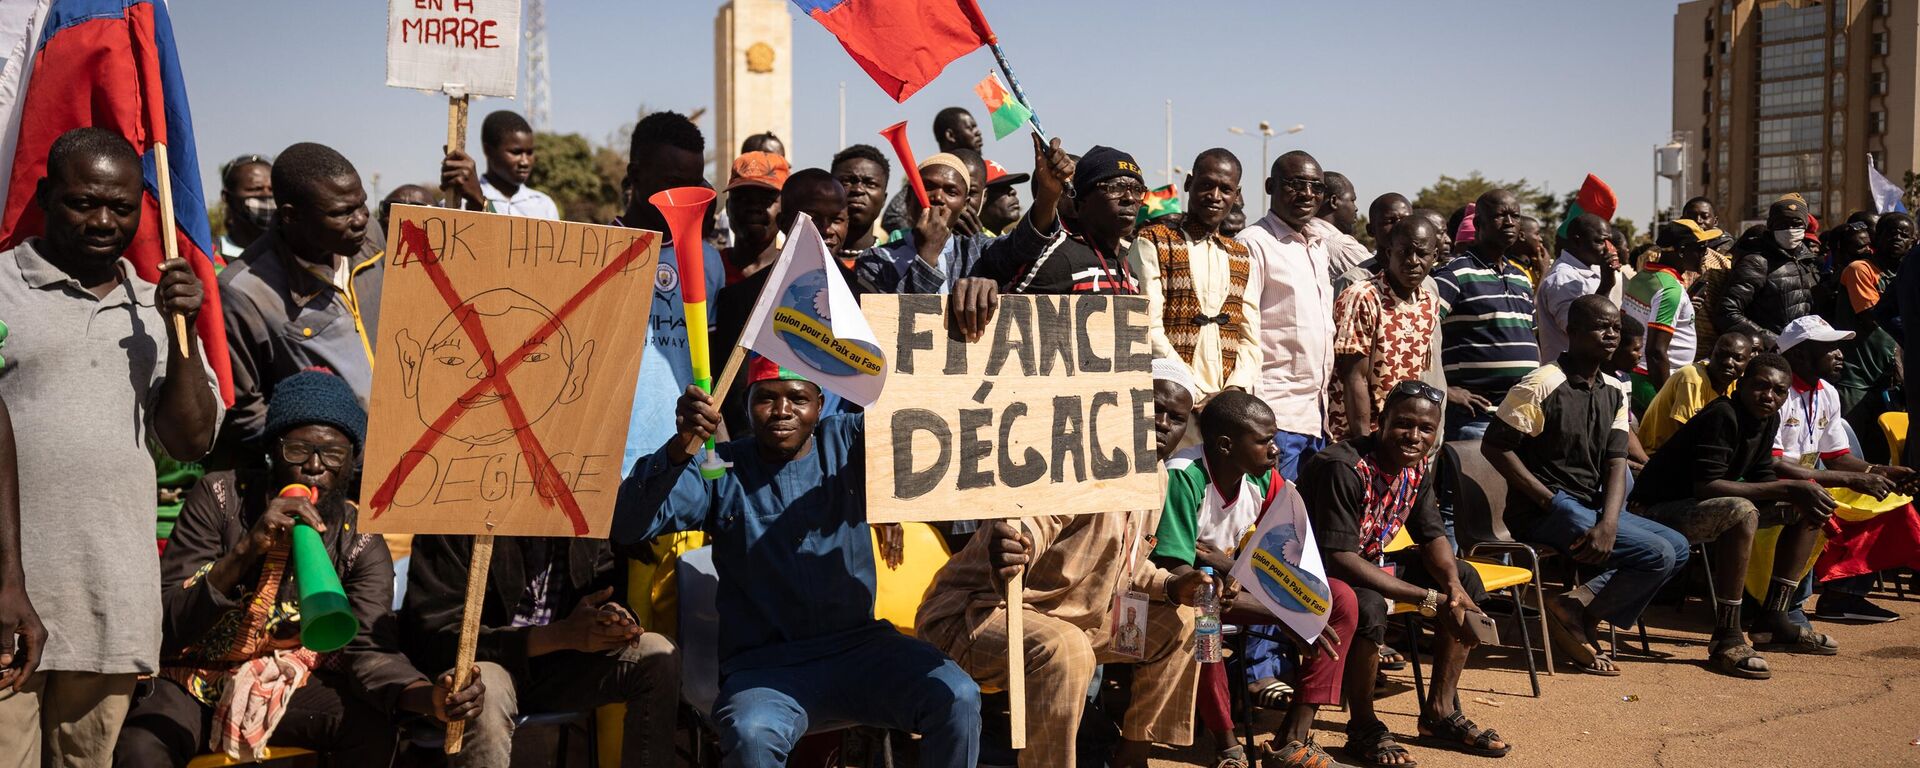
point(1779, 96)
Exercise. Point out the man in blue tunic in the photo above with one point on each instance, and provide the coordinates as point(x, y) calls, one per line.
point(799, 645)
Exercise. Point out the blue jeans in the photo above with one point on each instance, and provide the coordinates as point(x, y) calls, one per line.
point(1465, 424)
point(1295, 450)
point(1645, 554)
point(888, 680)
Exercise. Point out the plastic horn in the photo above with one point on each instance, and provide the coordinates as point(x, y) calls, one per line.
point(685, 209)
point(896, 135)
point(326, 619)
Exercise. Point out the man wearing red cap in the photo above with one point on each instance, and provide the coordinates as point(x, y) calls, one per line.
point(798, 641)
point(753, 196)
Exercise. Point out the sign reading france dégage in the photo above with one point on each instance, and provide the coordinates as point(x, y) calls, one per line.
point(1049, 413)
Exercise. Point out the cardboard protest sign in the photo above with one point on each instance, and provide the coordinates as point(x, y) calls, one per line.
point(808, 322)
point(471, 45)
point(1049, 413)
point(503, 373)
point(1280, 564)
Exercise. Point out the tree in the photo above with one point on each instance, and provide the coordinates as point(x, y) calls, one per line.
point(1451, 193)
point(568, 171)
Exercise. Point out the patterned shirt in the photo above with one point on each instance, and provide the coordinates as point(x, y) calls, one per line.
point(1486, 325)
point(1811, 427)
point(1658, 299)
point(1208, 270)
point(1396, 336)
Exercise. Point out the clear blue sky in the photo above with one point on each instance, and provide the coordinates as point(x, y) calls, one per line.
point(1393, 92)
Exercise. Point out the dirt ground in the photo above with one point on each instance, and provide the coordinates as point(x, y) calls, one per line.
point(1860, 708)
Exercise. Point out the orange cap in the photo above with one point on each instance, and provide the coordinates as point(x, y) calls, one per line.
point(758, 169)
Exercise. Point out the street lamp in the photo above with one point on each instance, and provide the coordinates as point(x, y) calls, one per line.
point(1266, 134)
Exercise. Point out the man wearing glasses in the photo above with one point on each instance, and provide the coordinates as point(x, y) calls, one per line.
point(1049, 254)
point(1295, 296)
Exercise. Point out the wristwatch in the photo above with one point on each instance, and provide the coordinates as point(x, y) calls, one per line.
point(1430, 605)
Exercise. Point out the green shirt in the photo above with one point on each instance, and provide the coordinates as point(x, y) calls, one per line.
point(1197, 514)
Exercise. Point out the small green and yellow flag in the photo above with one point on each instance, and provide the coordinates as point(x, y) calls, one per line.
point(1159, 202)
point(1008, 113)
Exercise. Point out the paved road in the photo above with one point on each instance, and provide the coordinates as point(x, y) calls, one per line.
point(1860, 708)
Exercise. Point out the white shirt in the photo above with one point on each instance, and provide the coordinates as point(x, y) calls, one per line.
point(1220, 523)
point(526, 201)
point(1295, 295)
point(1567, 280)
point(1811, 427)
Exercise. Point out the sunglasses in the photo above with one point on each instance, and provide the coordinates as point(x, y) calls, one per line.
point(1420, 389)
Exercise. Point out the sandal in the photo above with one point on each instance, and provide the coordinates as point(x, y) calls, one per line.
point(1456, 732)
point(1737, 659)
point(1797, 638)
point(1392, 660)
point(1373, 745)
point(1271, 694)
point(1569, 639)
point(1300, 754)
point(1233, 757)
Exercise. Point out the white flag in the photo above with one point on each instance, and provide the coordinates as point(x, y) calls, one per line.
point(807, 321)
point(1280, 564)
point(1886, 194)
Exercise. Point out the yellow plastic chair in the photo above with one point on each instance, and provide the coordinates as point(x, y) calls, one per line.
point(1493, 577)
point(1893, 424)
point(898, 591)
point(218, 760)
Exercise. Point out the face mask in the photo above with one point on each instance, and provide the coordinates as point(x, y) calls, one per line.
point(1790, 238)
point(258, 211)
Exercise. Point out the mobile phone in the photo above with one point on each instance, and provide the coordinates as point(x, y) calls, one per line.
point(1483, 628)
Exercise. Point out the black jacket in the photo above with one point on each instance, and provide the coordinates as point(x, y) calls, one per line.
point(437, 595)
point(1767, 288)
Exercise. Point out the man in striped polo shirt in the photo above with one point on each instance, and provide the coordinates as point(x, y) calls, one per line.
point(1486, 308)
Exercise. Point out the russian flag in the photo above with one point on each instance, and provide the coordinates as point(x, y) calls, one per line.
point(902, 44)
point(110, 64)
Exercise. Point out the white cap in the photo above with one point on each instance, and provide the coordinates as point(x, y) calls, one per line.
point(1810, 328)
point(1168, 369)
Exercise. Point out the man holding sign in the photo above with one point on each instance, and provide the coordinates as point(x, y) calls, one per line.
point(799, 645)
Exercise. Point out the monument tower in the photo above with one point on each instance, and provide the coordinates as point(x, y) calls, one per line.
point(753, 77)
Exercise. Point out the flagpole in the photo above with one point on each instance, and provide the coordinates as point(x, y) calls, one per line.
point(169, 238)
point(1013, 81)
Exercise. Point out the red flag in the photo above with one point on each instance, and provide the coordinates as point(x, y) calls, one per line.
point(114, 65)
point(902, 44)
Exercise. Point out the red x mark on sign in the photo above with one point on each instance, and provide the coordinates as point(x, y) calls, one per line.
point(547, 480)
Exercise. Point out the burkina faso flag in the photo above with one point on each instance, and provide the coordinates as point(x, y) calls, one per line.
point(1008, 113)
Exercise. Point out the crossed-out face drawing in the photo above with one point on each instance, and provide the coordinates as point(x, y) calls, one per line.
point(439, 371)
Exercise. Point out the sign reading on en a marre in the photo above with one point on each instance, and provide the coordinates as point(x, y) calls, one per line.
point(504, 373)
point(1049, 413)
point(472, 44)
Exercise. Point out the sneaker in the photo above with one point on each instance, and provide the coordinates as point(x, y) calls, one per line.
point(1836, 607)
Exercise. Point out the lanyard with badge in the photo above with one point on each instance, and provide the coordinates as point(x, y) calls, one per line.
point(1128, 614)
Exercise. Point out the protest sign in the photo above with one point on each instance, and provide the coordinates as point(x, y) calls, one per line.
point(504, 370)
point(1280, 564)
point(469, 47)
point(1049, 413)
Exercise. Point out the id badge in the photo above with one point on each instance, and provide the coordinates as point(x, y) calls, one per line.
point(1129, 622)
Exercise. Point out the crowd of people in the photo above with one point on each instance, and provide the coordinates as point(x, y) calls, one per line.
point(1641, 404)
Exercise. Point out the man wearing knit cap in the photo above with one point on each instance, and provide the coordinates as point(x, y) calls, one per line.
point(1774, 276)
point(232, 608)
point(799, 645)
point(1088, 254)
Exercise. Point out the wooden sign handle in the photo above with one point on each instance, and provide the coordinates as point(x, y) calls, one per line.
point(170, 237)
point(456, 140)
point(1017, 656)
point(470, 629)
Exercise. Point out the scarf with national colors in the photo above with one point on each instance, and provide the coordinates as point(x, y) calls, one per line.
point(1182, 315)
point(1389, 500)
